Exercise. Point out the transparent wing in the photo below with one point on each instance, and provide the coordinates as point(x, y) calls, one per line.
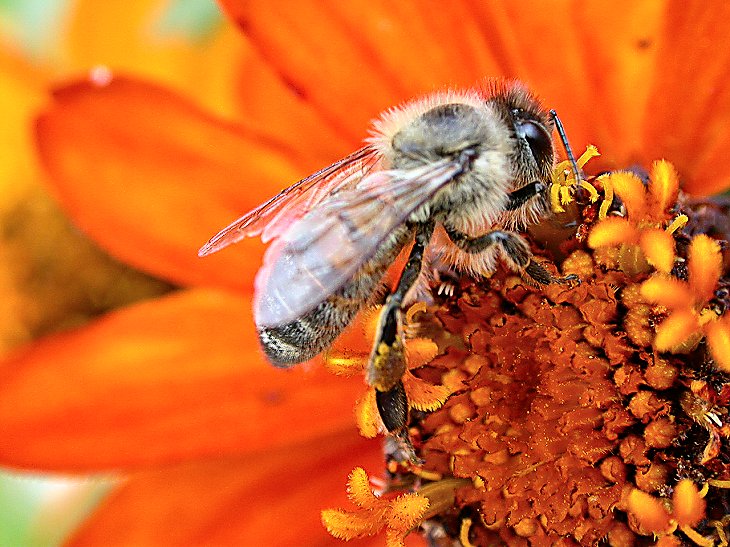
point(272, 218)
point(326, 247)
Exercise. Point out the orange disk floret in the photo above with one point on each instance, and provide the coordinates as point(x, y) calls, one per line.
point(705, 266)
point(718, 338)
point(663, 185)
point(649, 511)
point(688, 507)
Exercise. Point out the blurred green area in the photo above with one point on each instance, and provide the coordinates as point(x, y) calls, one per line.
point(42, 510)
point(32, 21)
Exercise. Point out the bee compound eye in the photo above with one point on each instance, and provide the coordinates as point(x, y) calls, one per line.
point(537, 137)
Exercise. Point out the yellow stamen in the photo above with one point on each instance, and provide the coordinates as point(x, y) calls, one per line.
point(563, 181)
point(464, 533)
point(555, 198)
point(696, 537)
point(593, 193)
point(607, 196)
point(425, 475)
point(590, 153)
point(677, 224)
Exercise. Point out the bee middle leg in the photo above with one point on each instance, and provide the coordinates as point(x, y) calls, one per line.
point(387, 360)
point(515, 248)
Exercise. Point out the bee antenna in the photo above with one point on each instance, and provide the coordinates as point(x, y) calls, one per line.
point(566, 145)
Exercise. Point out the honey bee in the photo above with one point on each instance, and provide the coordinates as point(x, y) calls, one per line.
point(465, 169)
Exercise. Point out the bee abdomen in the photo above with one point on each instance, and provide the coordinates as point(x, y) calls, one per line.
point(308, 336)
point(311, 334)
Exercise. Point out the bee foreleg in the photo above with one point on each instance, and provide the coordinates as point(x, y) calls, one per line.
point(522, 195)
point(515, 248)
point(387, 360)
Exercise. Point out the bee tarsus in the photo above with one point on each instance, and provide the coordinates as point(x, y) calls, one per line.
point(387, 360)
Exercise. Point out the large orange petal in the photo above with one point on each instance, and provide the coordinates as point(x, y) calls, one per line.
point(619, 66)
point(158, 382)
point(21, 95)
point(354, 59)
point(596, 80)
point(689, 107)
point(130, 37)
point(274, 498)
point(151, 177)
point(223, 72)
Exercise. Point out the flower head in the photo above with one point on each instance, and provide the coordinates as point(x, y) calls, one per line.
point(549, 388)
point(568, 417)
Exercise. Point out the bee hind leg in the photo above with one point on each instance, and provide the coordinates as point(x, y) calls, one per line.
point(387, 360)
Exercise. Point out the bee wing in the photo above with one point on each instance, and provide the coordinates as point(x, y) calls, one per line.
point(272, 218)
point(325, 248)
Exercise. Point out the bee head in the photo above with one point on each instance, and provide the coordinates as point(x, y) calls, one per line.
point(534, 152)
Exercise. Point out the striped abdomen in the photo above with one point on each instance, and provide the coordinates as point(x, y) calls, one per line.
point(302, 339)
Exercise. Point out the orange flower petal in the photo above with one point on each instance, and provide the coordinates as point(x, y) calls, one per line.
point(658, 248)
point(718, 338)
point(632, 192)
point(130, 38)
point(273, 498)
point(612, 231)
point(675, 330)
point(159, 382)
point(151, 177)
point(683, 124)
point(21, 94)
point(355, 59)
point(663, 187)
point(705, 266)
point(307, 44)
point(621, 91)
point(667, 291)
point(688, 508)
